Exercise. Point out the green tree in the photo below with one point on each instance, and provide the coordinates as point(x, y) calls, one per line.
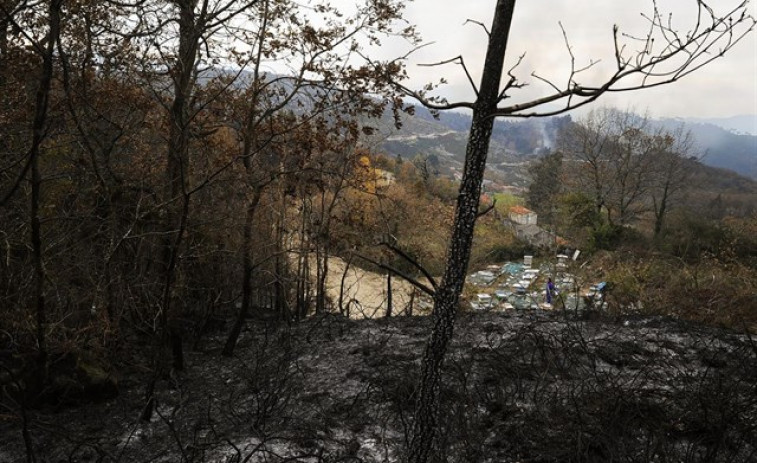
point(546, 186)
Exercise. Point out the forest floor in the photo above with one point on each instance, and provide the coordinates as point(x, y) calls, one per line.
point(522, 386)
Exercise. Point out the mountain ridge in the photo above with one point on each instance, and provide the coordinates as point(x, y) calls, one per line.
point(743, 124)
point(515, 143)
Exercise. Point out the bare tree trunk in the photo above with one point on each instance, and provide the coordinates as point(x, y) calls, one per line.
point(177, 166)
point(342, 309)
point(247, 267)
point(458, 252)
point(302, 258)
point(6, 17)
point(388, 295)
point(38, 134)
point(176, 176)
point(318, 272)
point(304, 303)
point(169, 331)
point(659, 213)
point(323, 271)
point(28, 443)
point(280, 292)
point(409, 310)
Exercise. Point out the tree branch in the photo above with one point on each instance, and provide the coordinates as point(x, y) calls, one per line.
point(710, 37)
point(512, 81)
point(488, 209)
point(400, 274)
point(483, 26)
point(457, 60)
point(414, 262)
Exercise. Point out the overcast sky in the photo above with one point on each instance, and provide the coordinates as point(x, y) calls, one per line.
point(727, 87)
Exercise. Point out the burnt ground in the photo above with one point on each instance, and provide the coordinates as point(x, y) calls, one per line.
point(518, 386)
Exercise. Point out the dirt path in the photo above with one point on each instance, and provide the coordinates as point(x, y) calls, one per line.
point(366, 292)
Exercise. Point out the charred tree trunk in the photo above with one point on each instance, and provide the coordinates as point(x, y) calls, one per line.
point(458, 253)
point(323, 271)
point(38, 134)
point(409, 310)
point(6, 17)
point(281, 303)
point(388, 295)
point(344, 311)
point(177, 215)
point(169, 331)
point(177, 166)
point(302, 260)
point(247, 267)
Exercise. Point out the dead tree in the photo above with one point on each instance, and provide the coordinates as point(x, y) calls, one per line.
point(45, 50)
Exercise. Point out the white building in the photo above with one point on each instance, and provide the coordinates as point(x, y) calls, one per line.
point(522, 216)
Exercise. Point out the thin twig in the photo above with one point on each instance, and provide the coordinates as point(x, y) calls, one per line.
point(479, 23)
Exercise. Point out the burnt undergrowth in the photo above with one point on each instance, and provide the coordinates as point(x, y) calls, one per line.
point(536, 387)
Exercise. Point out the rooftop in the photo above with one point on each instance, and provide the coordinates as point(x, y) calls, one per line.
point(520, 210)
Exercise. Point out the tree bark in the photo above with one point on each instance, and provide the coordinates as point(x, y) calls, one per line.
point(177, 166)
point(659, 212)
point(281, 303)
point(247, 267)
point(458, 252)
point(388, 295)
point(177, 216)
point(38, 134)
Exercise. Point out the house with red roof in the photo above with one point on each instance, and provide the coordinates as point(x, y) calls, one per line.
point(522, 216)
point(523, 222)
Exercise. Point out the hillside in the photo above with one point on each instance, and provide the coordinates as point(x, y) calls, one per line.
point(743, 124)
point(512, 148)
point(515, 142)
point(719, 147)
point(518, 386)
point(715, 186)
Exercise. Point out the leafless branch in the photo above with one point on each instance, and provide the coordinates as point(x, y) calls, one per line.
point(399, 273)
point(457, 60)
point(412, 261)
point(429, 103)
point(651, 65)
point(570, 53)
point(432, 103)
point(488, 209)
point(619, 62)
point(479, 23)
point(546, 81)
point(512, 82)
point(708, 40)
point(413, 50)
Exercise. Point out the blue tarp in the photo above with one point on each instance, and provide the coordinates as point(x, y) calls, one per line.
point(512, 268)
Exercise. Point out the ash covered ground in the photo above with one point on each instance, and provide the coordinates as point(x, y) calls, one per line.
point(525, 386)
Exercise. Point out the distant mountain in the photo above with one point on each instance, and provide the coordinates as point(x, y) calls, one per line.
point(743, 125)
point(515, 142)
point(722, 148)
